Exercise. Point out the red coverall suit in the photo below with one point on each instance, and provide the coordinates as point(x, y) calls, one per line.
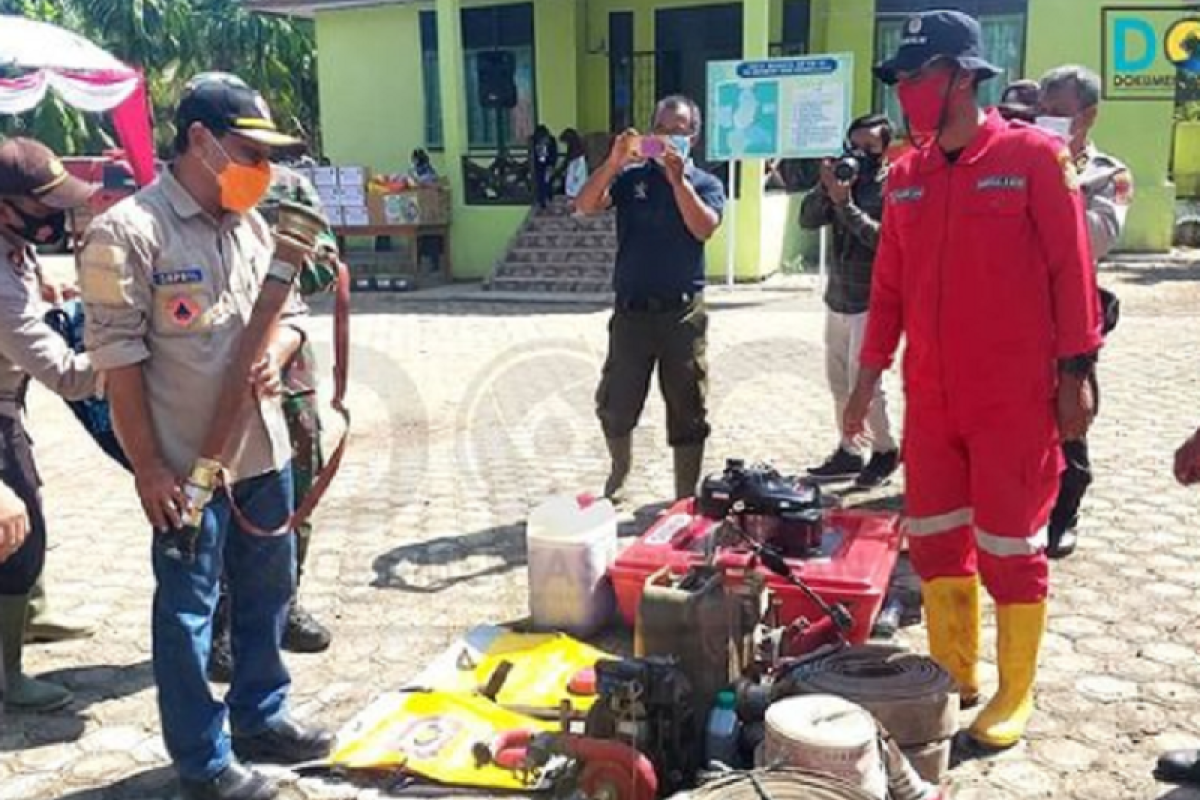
point(985, 268)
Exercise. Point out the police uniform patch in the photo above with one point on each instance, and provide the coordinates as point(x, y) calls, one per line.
point(101, 279)
point(1070, 173)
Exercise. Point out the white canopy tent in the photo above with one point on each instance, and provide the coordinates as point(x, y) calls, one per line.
point(82, 74)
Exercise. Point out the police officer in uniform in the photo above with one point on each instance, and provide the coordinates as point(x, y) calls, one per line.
point(667, 208)
point(35, 193)
point(1069, 103)
point(169, 278)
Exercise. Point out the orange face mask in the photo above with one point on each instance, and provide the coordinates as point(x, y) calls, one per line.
point(242, 187)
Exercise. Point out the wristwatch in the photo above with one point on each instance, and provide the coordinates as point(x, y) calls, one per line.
point(1078, 366)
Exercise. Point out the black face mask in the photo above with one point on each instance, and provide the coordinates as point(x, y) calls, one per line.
point(41, 230)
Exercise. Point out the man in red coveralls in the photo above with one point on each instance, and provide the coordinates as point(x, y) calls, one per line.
point(984, 266)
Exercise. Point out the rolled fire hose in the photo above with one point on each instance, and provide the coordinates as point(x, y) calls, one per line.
point(776, 784)
point(910, 695)
point(299, 226)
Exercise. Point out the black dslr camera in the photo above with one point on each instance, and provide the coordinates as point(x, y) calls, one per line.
point(847, 168)
point(781, 511)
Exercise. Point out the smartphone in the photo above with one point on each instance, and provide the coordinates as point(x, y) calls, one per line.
point(651, 147)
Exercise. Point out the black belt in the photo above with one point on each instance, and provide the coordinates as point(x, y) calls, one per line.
point(651, 305)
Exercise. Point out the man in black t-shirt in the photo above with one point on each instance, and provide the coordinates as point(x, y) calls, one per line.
point(667, 208)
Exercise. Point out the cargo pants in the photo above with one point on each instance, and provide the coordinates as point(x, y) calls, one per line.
point(300, 409)
point(675, 342)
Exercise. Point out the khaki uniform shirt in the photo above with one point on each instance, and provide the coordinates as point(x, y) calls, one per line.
point(167, 286)
point(28, 346)
point(1107, 187)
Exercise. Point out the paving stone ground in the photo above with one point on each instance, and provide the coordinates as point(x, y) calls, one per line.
point(466, 414)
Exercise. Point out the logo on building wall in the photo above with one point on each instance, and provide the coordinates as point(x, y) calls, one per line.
point(1148, 50)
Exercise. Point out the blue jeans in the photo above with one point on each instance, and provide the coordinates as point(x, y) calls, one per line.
point(261, 577)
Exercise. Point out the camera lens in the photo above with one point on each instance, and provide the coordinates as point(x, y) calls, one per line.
point(846, 169)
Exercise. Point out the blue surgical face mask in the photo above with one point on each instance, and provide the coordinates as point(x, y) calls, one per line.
point(683, 144)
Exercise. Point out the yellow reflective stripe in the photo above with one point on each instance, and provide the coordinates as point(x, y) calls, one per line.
point(52, 184)
point(254, 122)
point(939, 523)
point(1011, 546)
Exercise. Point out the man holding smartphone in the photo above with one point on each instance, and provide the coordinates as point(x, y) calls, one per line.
point(667, 208)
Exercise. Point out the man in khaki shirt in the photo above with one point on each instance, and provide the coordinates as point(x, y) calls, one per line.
point(169, 278)
point(35, 191)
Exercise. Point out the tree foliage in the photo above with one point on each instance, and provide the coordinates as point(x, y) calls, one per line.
point(171, 40)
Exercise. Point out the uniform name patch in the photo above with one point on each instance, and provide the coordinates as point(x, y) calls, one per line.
point(909, 194)
point(1001, 183)
point(179, 277)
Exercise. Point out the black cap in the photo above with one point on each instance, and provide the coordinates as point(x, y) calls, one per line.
point(1019, 100)
point(224, 103)
point(938, 34)
point(30, 169)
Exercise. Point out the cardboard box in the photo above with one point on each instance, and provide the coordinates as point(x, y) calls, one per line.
point(356, 216)
point(352, 176)
point(425, 205)
point(325, 176)
point(331, 196)
point(353, 196)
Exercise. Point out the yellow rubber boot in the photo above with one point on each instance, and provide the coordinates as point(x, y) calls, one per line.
point(1019, 639)
point(952, 617)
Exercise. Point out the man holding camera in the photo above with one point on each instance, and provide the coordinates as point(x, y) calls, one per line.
point(667, 208)
point(169, 279)
point(850, 198)
point(1068, 104)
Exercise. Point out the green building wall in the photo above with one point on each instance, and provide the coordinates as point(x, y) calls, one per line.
point(1139, 133)
point(372, 107)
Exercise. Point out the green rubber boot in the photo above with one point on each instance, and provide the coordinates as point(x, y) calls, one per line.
point(620, 451)
point(44, 624)
point(22, 693)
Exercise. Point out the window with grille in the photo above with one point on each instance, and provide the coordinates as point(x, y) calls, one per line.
point(488, 29)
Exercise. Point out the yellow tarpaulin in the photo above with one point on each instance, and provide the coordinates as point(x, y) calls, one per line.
point(435, 729)
point(543, 666)
point(433, 735)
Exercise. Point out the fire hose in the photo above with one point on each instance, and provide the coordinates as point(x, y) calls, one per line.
point(777, 784)
point(786, 783)
point(913, 698)
point(297, 230)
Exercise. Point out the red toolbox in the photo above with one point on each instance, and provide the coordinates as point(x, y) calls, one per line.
point(854, 567)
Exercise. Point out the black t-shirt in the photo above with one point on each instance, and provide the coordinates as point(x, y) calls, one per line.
point(657, 256)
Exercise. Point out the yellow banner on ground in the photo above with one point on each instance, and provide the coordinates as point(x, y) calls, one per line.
point(543, 666)
point(435, 735)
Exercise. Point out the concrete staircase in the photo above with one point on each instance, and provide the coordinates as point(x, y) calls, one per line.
point(554, 252)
